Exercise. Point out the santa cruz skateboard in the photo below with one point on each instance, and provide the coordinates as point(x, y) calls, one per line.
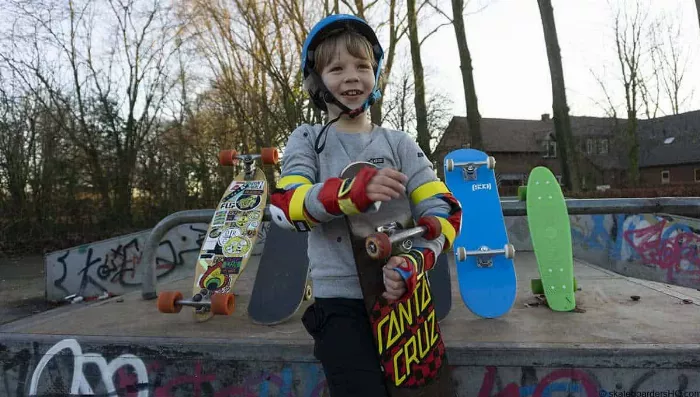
point(485, 271)
point(231, 236)
point(282, 282)
point(406, 332)
point(550, 232)
point(438, 276)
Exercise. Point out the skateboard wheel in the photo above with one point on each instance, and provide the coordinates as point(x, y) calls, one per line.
point(433, 225)
point(222, 303)
point(522, 193)
point(461, 254)
point(227, 157)
point(269, 155)
point(509, 251)
point(167, 302)
point(450, 165)
point(490, 162)
point(536, 286)
point(378, 246)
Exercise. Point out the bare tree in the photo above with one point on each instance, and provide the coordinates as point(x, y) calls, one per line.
point(423, 134)
point(562, 123)
point(629, 28)
point(473, 136)
point(669, 60)
point(400, 112)
point(114, 97)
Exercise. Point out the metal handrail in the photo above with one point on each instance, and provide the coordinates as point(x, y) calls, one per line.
point(683, 206)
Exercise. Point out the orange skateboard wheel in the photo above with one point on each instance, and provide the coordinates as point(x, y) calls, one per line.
point(378, 246)
point(227, 157)
point(433, 225)
point(167, 302)
point(223, 304)
point(269, 155)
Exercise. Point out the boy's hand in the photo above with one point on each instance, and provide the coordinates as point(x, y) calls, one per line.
point(386, 185)
point(393, 282)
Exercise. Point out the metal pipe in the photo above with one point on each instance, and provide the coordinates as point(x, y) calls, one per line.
point(148, 270)
point(683, 206)
point(407, 233)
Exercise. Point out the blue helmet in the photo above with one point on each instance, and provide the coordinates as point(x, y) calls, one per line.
point(320, 31)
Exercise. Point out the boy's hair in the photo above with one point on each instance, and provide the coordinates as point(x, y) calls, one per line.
point(355, 43)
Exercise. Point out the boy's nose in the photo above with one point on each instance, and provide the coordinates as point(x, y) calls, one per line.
point(351, 78)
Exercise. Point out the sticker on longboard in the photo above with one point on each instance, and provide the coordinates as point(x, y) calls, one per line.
point(219, 218)
point(247, 202)
point(236, 246)
point(215, 278)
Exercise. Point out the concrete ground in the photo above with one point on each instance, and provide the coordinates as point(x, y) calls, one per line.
point(608, 315)
point(22, 286)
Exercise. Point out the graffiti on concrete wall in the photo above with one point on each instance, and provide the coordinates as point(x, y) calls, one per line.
point(113, 267)
point(668, 245)
point(575, 382)
point(663, 242)
point(67, 368)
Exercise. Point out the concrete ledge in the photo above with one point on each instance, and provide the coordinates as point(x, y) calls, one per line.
point(144, 366)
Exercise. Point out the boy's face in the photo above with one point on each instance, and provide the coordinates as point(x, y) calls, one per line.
point(348, 78)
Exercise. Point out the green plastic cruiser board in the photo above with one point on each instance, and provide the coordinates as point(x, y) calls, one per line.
point(550, 232)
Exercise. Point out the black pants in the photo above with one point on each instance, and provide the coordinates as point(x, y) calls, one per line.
point(345, 347)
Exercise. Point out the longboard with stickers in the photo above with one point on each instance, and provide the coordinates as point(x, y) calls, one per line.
point(406, 332)
point(232, 234)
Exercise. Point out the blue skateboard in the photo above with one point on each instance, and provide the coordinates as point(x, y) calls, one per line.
point(485, 270)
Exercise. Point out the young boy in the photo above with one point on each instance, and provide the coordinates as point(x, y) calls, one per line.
point(341, 62)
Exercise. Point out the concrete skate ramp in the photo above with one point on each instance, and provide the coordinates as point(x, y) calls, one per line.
point(123, 346)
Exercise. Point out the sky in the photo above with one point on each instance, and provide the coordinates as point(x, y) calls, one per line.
point(510, 63)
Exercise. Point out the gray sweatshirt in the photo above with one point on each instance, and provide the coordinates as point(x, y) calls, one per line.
point(332, 266)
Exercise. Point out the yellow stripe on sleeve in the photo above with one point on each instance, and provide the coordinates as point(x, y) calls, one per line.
point(427, 190)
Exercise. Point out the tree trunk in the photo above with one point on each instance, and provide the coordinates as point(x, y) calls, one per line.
point(560, 108)
point(423, 135)
point(465, 60)
point(697, 8)
point(633, 148)
point(376, 112)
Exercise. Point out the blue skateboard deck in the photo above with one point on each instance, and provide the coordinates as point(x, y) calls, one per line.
point(485, 271)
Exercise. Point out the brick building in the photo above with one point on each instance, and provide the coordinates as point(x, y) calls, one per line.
point(669, 148)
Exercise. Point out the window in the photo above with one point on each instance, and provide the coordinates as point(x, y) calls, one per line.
point(603, 149)
point(590, 147)
point(550, 149)
point(697, 175)
point(665, 176)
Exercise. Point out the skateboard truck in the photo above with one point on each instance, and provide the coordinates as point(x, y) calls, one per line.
point(379, 245)
point(231, 156)
point(469, 167)
point(204, 301)
point(484, 254)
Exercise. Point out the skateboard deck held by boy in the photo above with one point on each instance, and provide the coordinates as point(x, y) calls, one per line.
point(282, 283)
point(407, 334)
point(232, 234)
point(485, 271)
point(550, 232)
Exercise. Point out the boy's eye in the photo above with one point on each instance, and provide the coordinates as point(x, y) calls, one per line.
point(336, 68)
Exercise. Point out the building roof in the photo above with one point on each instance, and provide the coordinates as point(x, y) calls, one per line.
point(670, 140)
point(526, 136)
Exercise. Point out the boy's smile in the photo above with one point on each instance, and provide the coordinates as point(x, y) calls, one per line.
point(349, 79)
